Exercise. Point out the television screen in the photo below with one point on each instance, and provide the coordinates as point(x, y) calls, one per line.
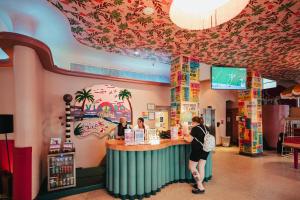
point(228, 78)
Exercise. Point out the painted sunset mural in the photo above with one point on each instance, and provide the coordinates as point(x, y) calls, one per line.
point(98, 110)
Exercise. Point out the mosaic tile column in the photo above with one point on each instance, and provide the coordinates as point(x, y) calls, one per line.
point(250, 112)
point(185, 88)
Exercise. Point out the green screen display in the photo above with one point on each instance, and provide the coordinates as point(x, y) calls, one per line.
point(228, 78)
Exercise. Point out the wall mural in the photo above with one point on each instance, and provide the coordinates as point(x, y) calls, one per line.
point(98, 110)
point(265, 36)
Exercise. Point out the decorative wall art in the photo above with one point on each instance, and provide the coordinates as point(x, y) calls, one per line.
point(99, 109)
point(68, 144)
point(150, 106)
point(151, 115)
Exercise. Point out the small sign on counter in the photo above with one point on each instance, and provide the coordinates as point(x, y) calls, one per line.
point(152, 137)
point(174, 133)
point(139, 136)
point(129, 137)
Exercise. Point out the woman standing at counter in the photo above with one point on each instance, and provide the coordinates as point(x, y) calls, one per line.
point(198, 155)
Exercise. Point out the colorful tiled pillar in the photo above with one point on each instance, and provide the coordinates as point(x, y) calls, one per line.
point(185, 88)
point(250, 112)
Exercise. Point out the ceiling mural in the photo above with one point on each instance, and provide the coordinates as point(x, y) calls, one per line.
point(265, 36)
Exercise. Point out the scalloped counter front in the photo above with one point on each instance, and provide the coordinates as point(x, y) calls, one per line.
point(138, 171)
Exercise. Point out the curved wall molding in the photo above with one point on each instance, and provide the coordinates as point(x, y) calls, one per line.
point(9, 39)
point(9, 61)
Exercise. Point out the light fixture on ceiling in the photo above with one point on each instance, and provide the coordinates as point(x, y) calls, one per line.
point(204, 14)
point(137, 53)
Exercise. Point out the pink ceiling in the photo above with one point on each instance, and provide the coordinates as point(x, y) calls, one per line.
point(265, 36)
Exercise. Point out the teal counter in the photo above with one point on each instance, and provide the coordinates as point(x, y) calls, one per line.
point(142, 170)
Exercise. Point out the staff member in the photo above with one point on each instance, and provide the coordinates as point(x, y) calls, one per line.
point(141, 124)
point(198, 155)
point(121, 128)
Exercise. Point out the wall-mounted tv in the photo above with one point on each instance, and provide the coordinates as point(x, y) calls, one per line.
point(228, 78)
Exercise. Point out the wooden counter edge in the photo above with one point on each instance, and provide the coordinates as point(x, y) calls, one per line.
point(164, 143)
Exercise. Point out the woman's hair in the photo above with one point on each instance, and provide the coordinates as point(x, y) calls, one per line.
point(142, 120)
point(198, 120)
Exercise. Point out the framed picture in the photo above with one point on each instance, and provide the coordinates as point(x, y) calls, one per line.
point(151, 106)
point(161, 119)
point(151, 115)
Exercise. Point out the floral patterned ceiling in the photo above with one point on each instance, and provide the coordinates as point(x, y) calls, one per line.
point(265, 36)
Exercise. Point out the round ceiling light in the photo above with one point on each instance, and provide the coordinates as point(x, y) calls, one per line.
point(203, 14)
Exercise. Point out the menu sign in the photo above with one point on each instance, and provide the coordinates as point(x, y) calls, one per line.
point(139, 136)
point(129, 137)
point(151, 134)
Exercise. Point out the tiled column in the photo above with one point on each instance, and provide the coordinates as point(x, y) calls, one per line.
point(185, 89)
point(250, 110)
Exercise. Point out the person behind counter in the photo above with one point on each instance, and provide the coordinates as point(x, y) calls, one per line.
point(141, 124)
point(198, 155)
point(121, 128)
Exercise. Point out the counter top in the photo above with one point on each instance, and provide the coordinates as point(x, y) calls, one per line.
point(164, 143)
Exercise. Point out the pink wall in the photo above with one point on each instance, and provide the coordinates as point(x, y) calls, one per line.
point(273, 122)
point(91, 150)
point(57, 85)
point(217, 99)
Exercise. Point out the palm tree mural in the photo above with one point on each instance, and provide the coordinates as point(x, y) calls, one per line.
point(125, 94)
point(82, 96)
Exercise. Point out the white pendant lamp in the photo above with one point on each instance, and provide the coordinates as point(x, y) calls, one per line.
point(203, 14)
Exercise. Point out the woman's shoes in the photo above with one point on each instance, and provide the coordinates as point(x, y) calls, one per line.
point(198, 191)
point(195, 185)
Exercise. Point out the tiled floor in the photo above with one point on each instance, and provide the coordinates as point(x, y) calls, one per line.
point(235, 177)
